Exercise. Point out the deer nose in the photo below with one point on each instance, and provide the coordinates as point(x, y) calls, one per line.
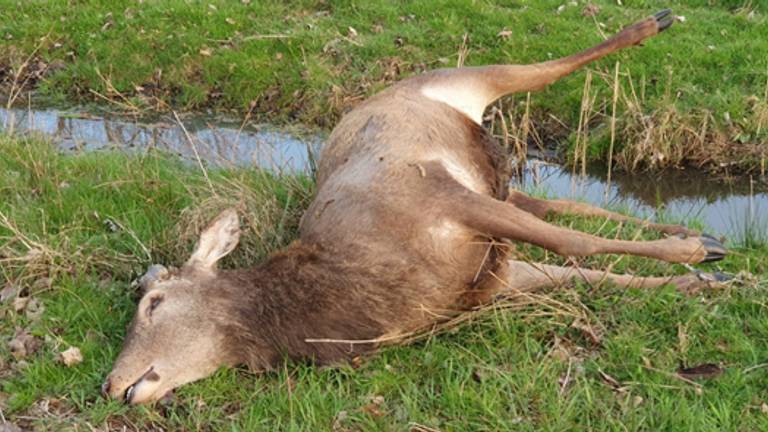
point(105, 388)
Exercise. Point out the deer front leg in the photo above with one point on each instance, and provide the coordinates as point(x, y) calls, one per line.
point(541, 208)
point(501, 219)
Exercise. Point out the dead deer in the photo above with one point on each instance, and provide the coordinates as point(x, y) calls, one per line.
point(411, 205)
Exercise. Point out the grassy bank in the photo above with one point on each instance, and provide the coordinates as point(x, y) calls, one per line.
point(76, 229)
point(697, 94)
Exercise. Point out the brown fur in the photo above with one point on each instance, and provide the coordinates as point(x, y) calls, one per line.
point(403, 232)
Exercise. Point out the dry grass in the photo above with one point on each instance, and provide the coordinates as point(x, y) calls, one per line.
point(266, 223)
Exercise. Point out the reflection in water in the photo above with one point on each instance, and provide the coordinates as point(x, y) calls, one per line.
point(731, 210)
point(216, 144)
point(726, 209)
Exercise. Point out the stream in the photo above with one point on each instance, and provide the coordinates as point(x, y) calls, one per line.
point(736, 209)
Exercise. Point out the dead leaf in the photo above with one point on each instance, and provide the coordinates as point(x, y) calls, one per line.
point(479, 375)
point(565, 350)
point(356, 362)
point(704, 371)
point(71, 356)
point(612, 382)
point(764, 408)
point(504, 34)
point(24, 344)
point(34, 309)
point(351, 32)
point(590, 10)
point(206, 52)
point(10, 291)
point(647, 362)
point(230, 21)
point(20, 365)
point(9, 427)
point(594, 334)
point(20, 303)
point(637, 401)
point(374, 408)
point(341, 416)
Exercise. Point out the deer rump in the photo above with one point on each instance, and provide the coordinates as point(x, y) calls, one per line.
point(411, 200)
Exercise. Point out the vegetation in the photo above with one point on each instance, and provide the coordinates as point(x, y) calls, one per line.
point(76, 229)
point(697, 94)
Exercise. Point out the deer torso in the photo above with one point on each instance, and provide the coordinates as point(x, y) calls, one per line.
point(381, 198)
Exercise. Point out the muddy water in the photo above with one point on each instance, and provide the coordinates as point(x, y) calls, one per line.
point(734, 209)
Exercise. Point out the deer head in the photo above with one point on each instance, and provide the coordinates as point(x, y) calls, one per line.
point(177, 334)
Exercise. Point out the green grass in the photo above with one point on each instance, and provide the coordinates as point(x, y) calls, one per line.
point(502, 371)
point(699, 88)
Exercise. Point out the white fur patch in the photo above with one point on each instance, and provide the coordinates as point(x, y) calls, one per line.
point(462, 175)
point(464, 100)
point(444, 229)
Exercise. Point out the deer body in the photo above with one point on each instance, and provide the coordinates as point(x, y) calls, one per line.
point(411, 196)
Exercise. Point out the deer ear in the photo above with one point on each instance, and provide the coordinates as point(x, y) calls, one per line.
point(216, 241)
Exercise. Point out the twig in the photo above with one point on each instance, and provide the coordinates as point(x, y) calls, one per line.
point(613, 130)
point(673, 375)
point(755, 367)
point(134, 236)
point(194, 150)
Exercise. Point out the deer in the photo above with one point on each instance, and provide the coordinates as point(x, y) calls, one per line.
point(407, 226)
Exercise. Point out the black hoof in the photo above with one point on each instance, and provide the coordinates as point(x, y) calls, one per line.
point(661, 14)
point(663, 19)
point(713, 277)
point(715, 249)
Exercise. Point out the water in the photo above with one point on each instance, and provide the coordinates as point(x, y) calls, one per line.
point(733, 209)
point(216, 141)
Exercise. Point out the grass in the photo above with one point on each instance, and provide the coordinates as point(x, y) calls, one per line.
point(580, 358)
point(698, 94)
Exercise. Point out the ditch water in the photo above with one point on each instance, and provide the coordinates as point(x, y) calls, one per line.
point(736, 209)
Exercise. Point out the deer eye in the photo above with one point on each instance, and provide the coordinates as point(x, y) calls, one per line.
point(154, 302)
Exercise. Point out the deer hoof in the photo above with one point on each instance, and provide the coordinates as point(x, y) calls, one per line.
point(697, 280)
point(663, 19)
point(714, 248)
point(718, 277)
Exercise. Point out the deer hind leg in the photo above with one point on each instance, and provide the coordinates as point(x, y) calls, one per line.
point(501, 219)
point(471, 89)
point(541, 208)
point(526, 276)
